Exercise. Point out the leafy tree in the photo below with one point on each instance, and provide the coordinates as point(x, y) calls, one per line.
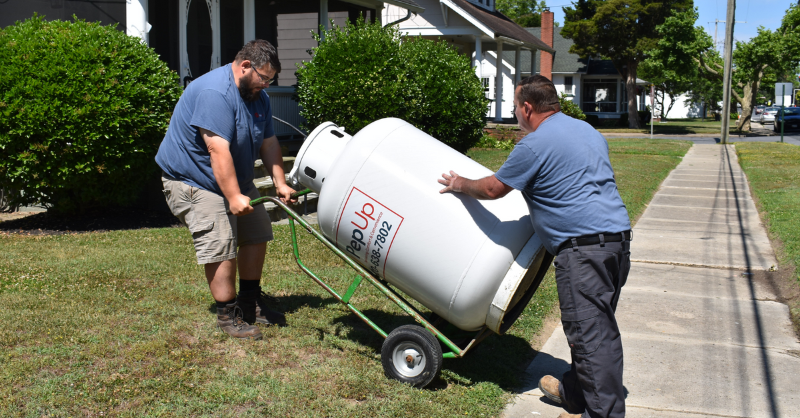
point(526, 13)
point(770, 55)
point(707, 91)
point(620, 30)
point(667, 84)
point(674, 56)
point(361, 73)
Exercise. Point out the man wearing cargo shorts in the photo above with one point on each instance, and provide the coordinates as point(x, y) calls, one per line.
point(563, 171)
point(221, 125)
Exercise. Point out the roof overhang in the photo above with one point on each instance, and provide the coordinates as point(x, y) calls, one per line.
point(487, 30)
point(406, 4)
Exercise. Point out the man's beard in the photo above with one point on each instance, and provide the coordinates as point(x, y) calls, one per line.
point(246, 90)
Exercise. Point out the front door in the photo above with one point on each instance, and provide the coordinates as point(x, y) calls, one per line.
point(199, 39)
point(199, 42)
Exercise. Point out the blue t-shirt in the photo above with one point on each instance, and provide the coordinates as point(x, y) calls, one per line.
point(564, 172)
point(213, 102)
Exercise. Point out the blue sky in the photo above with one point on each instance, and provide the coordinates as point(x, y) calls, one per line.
point(766, 13)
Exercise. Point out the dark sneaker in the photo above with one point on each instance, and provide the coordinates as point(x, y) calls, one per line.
point(229, 319)
point(255, 309)
point(549, 387)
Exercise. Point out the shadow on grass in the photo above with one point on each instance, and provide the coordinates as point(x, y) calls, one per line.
point(46, 223)
point(292, 303)
point(499, 359)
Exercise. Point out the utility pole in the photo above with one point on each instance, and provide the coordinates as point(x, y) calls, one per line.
point(717, 22)
point(726, 77)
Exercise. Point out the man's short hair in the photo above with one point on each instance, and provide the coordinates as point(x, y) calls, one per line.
point(259, 52)
point(540, 92)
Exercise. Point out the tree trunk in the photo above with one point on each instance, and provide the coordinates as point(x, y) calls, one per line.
point(671, 103)
point(630, 87)
point(658, 102)
point(747, 106)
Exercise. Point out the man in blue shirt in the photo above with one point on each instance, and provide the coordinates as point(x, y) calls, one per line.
point(220, 126)
point(563, 170)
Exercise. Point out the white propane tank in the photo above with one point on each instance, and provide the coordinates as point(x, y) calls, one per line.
point(474, 263)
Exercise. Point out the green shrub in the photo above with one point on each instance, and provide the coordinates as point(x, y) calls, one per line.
point(488, 141)
point(83, 109)
point(570, 109)
point(364, 72)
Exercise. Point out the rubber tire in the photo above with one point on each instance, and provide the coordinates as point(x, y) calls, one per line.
point(428, 345)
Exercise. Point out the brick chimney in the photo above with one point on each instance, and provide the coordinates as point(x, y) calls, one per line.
point(545, 58)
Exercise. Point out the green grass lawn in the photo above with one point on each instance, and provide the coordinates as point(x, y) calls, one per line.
point(121, 324)
point(773, 170)
point(676, 126)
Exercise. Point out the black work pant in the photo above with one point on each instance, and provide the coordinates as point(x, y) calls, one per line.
point(589, 280)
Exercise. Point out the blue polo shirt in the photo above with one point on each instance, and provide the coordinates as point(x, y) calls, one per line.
point(213, 102)
point(565, 175)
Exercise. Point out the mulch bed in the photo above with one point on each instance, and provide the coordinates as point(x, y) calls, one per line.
point(110, 220)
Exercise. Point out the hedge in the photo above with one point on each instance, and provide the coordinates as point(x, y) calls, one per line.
point(83, 109)
point(364, 72)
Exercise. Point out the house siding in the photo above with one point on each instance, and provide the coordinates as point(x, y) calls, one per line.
point(106, 13)
point(295, 38)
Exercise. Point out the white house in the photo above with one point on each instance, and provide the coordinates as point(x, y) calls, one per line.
point(594, 84)
point(475, 28)
point(195, 36)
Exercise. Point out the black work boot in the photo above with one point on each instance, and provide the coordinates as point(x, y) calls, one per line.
point(229, 319)
point(255, 309)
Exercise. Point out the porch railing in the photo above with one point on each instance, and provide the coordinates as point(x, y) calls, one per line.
point(284, 108)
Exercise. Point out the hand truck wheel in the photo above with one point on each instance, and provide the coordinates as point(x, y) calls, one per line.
point(411, 355)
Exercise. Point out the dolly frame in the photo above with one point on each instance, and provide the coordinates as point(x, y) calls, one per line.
point(381, 285)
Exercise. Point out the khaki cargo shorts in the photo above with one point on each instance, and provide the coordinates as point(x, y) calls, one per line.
point(216, 234)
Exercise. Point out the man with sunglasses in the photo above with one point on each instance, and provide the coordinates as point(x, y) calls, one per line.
point(564, 173)
point(221, 125)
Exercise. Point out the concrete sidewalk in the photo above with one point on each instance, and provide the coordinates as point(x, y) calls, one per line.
point(701, 338)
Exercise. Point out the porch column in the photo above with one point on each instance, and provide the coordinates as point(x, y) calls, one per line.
point(249, 20)
point(183, 8)
point(477, 61)
point(323, 14)
point(498, 84)
point(216, 42)
point(379, 14)
point(517, 58)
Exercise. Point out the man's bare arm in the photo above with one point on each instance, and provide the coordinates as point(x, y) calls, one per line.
point(487, 188)
point(272, 159)
point(225, 172)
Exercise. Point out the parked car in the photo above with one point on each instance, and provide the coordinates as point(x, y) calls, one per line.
point(790, 120)
point(758, 113)
point(769, 114)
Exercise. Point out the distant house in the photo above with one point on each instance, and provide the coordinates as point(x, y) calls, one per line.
point(475, 28)
point(594, 84)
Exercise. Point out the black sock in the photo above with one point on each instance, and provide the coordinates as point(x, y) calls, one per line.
point(223, 304)
point(249, 285)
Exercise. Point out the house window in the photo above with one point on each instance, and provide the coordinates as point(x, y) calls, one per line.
point(599, 96)
point(568, 85)
point(487, 88)
point(488, 4)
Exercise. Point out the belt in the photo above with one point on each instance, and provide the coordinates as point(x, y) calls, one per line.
point(594, 240)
